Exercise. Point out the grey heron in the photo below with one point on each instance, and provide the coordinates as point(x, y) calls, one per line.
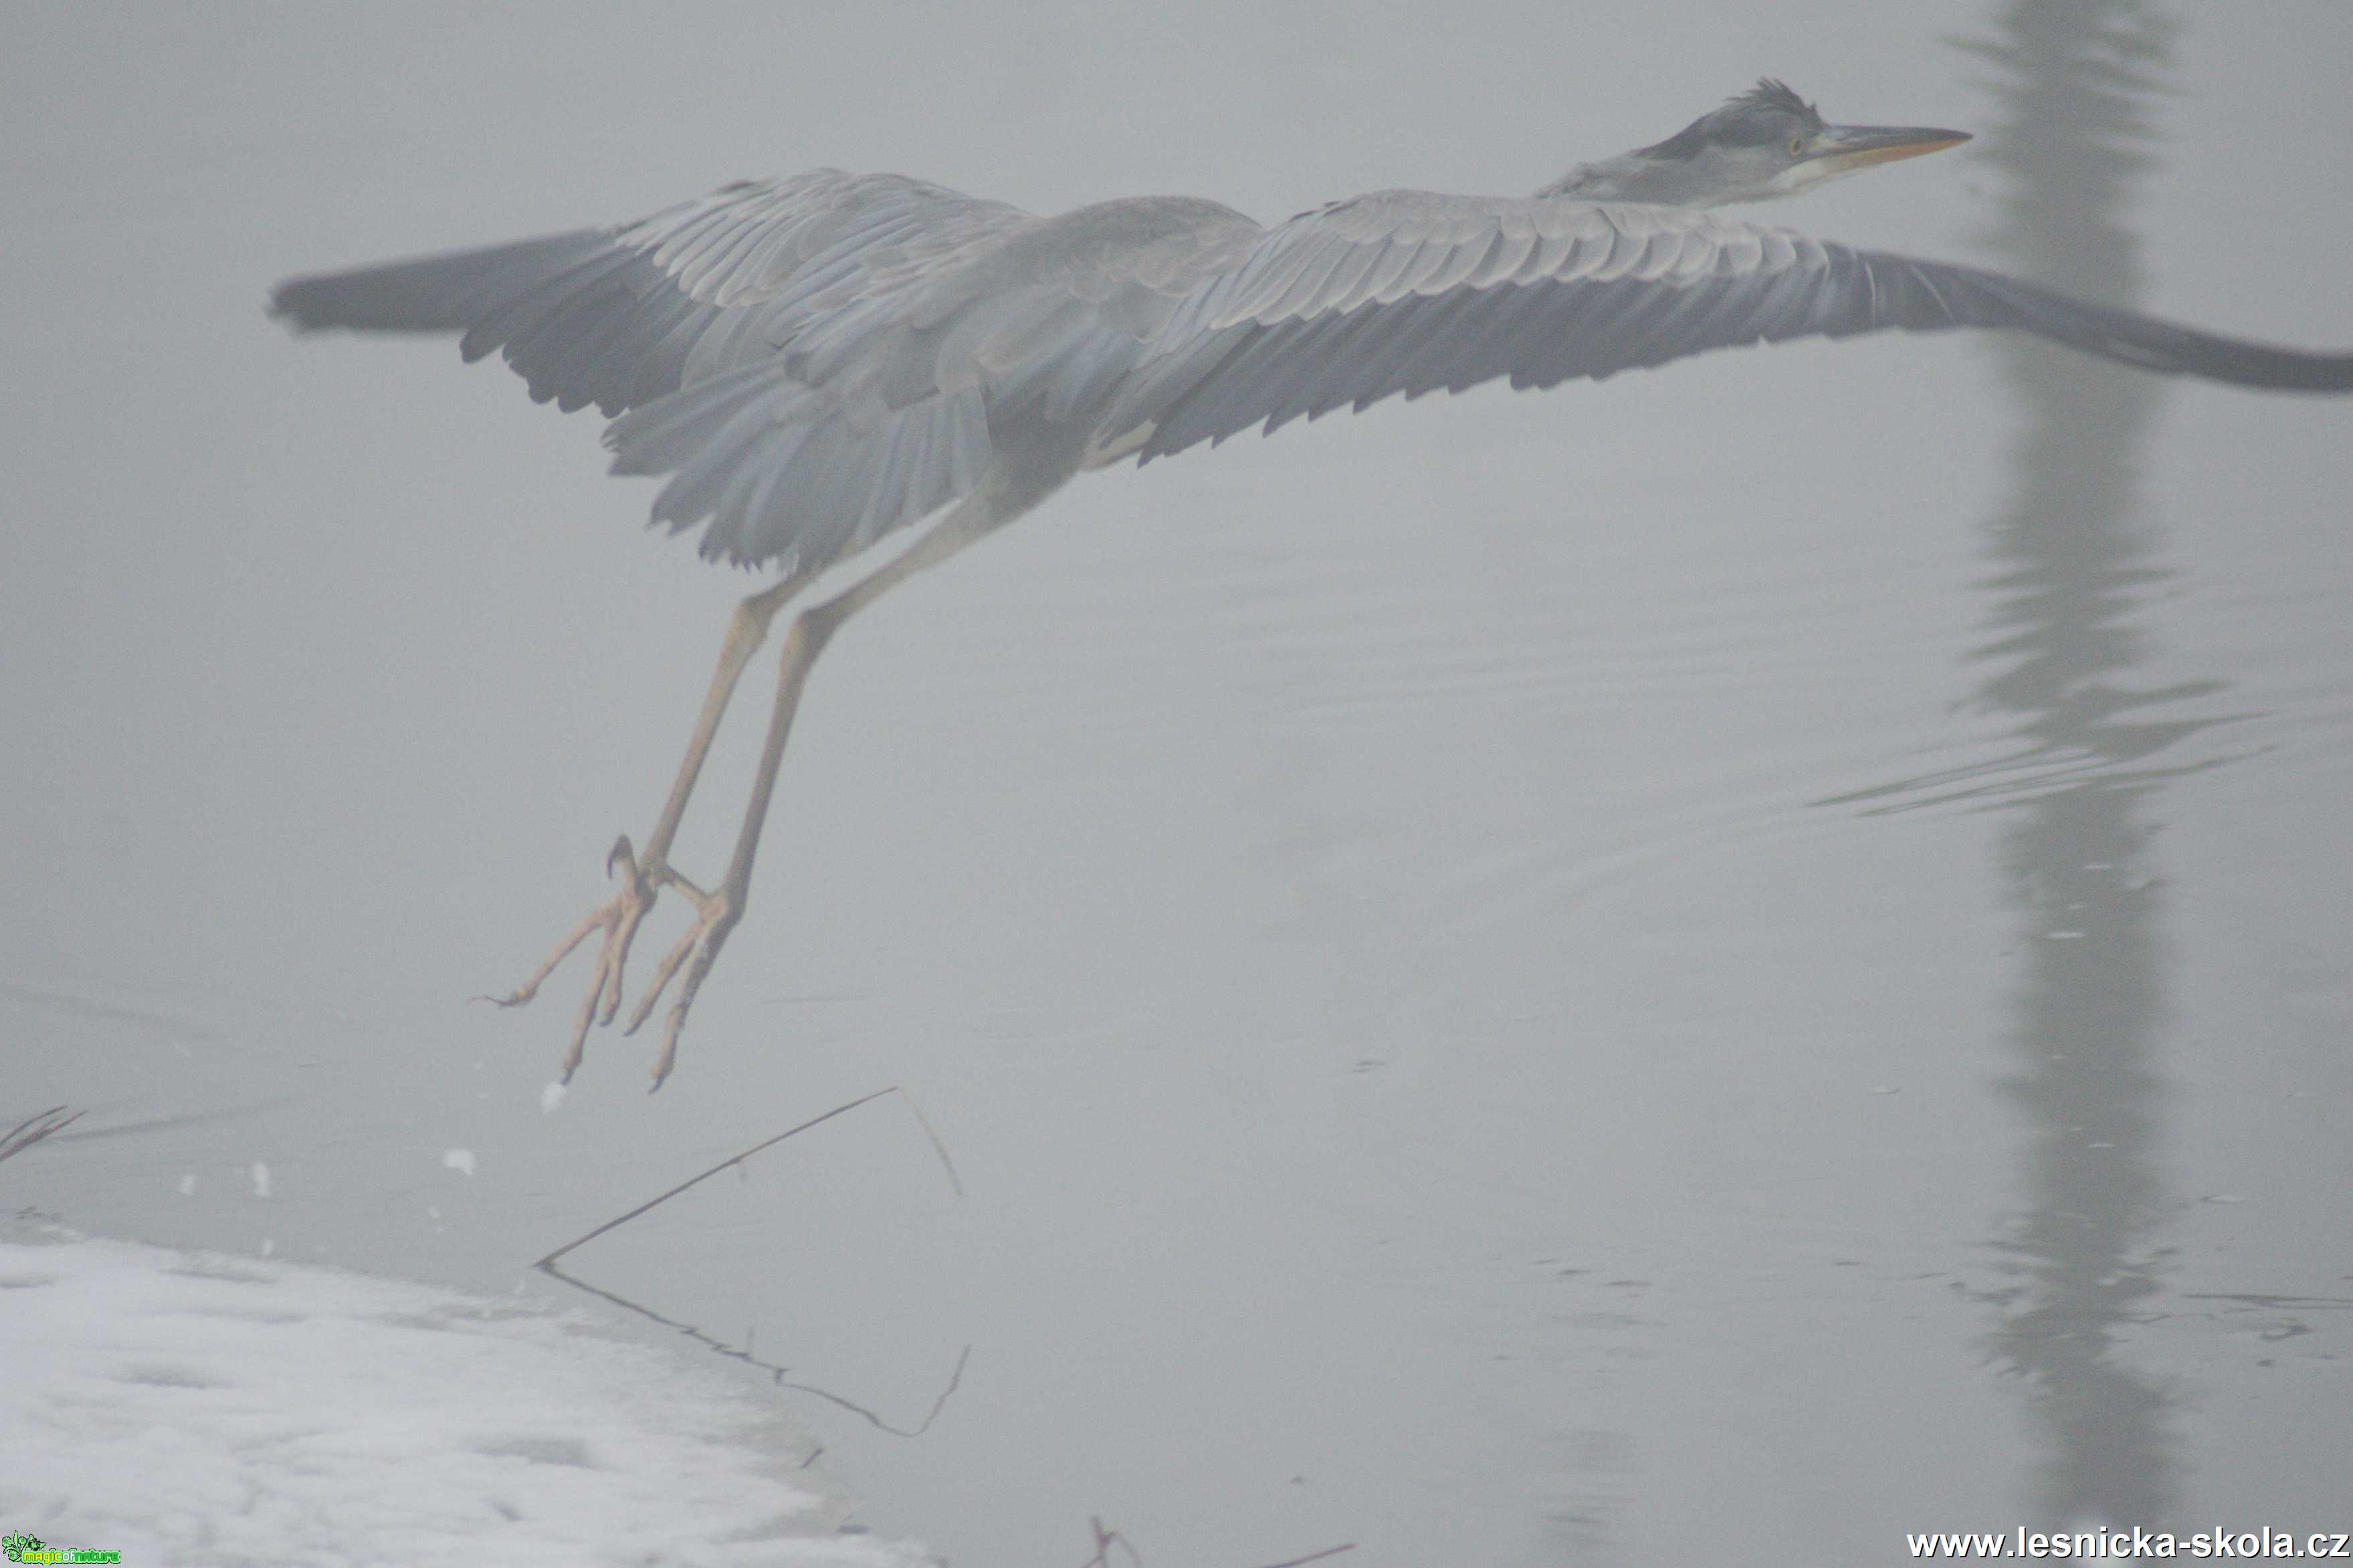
point(818, 360)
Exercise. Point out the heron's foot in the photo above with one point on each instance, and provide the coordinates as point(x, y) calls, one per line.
point(715, 917)
point(618, 917)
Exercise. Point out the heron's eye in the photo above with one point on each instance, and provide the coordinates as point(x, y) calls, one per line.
point(1796, 144)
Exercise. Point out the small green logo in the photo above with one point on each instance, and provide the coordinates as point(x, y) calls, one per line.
point(32, 1549)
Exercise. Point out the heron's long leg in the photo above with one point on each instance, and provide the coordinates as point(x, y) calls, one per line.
point(747, 628)
point(804, 641)
point(646, 873)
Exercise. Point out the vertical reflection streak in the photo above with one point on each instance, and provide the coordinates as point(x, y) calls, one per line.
point(2073, 78)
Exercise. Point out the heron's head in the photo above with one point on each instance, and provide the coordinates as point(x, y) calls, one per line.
point(1766, 143)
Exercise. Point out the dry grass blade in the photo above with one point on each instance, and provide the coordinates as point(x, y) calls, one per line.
point(35, 1128)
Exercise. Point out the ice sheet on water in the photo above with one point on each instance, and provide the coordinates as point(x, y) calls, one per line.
point(199, 1408)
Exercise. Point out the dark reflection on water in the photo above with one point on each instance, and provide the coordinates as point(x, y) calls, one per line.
point(2074, 79)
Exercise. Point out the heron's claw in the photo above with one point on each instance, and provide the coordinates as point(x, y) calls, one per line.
point(618, 917)
point(696, 951)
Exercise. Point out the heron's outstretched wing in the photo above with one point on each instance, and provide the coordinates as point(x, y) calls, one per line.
point(739, 334)
point(1408, 291)
point(621, 315)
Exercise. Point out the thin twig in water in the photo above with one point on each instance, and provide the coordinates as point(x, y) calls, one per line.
point(938, 1148)
point(1104, 1541)
point(780, 1376)
point(547, 1265)
point(35, 1128)
point(691, 1182)
point(955, 1381)
point(1314, 1556)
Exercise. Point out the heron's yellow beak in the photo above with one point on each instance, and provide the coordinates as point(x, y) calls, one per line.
point(1844, 149)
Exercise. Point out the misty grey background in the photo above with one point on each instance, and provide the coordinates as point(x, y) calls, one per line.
point(1712, 967)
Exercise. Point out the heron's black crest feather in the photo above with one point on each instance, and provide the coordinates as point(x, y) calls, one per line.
point(1771, 93)
point(1760, 116)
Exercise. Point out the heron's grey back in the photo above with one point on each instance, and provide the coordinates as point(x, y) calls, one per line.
point(891, 388)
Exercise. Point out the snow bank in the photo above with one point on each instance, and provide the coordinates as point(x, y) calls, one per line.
point(202, 1409)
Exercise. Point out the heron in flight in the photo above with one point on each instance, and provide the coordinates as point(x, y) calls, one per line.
point(817, 361)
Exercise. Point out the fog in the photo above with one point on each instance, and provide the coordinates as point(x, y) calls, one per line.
point(1719, 965)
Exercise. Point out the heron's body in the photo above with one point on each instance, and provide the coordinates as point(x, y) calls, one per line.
point(820, 360)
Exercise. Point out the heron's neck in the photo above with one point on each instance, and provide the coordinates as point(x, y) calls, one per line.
point(1630, 178)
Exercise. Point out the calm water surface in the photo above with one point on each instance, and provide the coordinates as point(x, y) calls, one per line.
point(1711, 968)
